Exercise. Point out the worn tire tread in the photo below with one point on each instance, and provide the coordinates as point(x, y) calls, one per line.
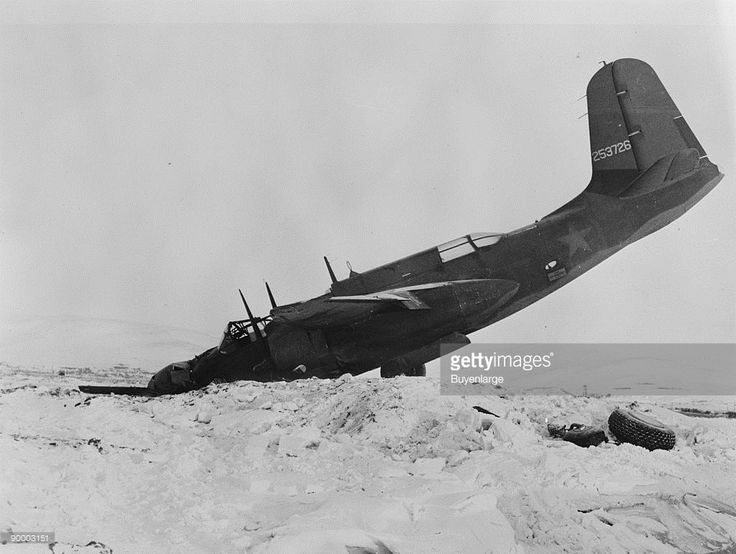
point(627, 429)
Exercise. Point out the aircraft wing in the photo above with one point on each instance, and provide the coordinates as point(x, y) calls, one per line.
point(401, 297)
point(321, 312)
point(329, 311)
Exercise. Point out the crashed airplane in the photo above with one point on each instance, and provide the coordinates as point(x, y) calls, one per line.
point(648, 170)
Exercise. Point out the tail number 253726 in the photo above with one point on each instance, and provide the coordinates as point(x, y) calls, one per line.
point(610, 151)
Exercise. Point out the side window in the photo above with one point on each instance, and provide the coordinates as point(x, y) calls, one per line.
point(466, 245)
point(481, 240)
point(455, 249)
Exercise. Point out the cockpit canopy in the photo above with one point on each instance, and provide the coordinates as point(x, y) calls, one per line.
point(241, 331)
point(467, 244)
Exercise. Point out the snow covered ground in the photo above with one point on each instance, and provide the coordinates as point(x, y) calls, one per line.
point(350, 465)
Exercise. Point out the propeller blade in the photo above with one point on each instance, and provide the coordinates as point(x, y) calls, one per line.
point(270, 295)
point(257, 330)
point(329, 269)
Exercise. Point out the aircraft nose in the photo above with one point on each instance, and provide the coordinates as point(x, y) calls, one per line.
point(172, 379)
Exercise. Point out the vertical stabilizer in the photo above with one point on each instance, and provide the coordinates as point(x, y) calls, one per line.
point(633, 123)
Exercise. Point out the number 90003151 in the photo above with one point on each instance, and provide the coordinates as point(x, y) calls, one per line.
point(610, 151)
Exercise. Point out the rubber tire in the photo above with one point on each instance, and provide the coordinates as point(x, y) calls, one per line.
point(636, 428)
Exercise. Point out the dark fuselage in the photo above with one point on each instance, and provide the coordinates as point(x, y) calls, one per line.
point(533, 261)
point(466, 284)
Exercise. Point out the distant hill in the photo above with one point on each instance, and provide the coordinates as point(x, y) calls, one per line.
point(89, 342)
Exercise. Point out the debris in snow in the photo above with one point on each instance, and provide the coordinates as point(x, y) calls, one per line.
point(640, 429)
point(92, 547)
point(695, 412)
point(577, 433)
point(96, 443)
point(484, 411)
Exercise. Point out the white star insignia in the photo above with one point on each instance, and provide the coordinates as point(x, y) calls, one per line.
point(575, 239)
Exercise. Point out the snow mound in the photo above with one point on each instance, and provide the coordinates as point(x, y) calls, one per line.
point(354, 465)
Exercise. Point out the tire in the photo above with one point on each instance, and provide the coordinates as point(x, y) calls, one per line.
point(642, 430)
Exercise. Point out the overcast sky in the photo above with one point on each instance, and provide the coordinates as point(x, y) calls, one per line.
point(152, 162)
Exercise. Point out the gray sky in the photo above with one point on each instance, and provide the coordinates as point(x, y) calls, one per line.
point(155, 158)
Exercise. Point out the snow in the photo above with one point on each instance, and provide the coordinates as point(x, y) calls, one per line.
point(351, 465)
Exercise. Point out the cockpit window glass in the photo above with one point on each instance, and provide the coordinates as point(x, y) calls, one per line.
point(485, 239)
point(453, 244)
point(466, 245)
point(455, 249)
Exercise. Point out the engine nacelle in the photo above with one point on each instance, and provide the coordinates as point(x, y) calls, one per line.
point(291, 347)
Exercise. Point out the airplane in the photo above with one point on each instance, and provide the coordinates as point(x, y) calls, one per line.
point(648, 169)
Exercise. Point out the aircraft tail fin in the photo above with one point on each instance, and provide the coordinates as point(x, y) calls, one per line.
point(633, 123)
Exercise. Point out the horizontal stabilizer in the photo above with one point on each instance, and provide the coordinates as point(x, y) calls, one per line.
point(662, 172)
